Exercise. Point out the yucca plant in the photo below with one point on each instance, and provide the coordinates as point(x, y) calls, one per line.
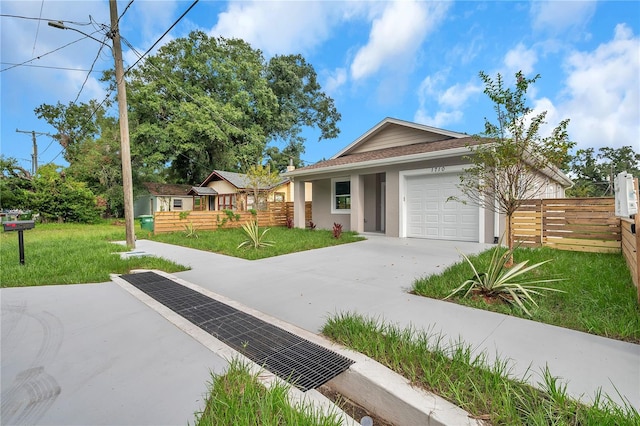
point(190, 230)
point(504, 283)
point(255, 238)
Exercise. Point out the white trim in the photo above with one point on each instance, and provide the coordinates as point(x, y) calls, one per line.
point(402, 195)
point(333, 195)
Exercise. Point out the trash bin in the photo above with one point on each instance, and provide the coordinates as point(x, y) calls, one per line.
point(146, 222)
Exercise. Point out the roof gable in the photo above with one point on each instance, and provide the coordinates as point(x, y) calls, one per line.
point(239, 180)
point(391, 132)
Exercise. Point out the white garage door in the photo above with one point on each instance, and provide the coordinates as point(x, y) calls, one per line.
point(430, 215)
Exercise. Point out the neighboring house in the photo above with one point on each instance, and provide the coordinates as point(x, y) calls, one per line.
point(162, 197)
point(228, 190)
point(396, 179)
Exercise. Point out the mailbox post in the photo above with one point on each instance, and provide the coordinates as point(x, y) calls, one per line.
point(20, 226)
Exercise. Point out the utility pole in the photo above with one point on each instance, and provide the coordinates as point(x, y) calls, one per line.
point(125, 148)
point(34, 156)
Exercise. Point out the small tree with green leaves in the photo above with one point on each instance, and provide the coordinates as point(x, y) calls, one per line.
point(261, 182)
point(506, 164)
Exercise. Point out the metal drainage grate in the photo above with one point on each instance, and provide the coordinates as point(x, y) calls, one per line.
point(300, 362)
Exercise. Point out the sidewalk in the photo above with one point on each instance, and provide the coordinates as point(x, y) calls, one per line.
point(372, 278)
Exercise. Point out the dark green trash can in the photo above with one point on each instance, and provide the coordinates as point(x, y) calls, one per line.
point(146, 222)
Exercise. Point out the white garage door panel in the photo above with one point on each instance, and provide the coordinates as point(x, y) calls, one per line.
point(429, 214)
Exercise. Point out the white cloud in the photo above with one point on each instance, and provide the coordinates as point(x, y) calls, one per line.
point(520, 59)
point(279, 27)
point(558, 16)
point(441, 119)
point(458, 94)
point(335, 80)
point(396, 35)
point(601, 95)
point(449, 102)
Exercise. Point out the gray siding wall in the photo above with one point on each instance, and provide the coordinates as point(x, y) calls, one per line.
point(321, 207)
point(395, 135)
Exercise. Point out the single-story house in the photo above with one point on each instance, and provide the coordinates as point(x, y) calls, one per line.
point(396, 179)
point(162, 197)
point(229, 190)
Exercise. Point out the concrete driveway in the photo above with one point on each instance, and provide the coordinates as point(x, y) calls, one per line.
point(93, 354)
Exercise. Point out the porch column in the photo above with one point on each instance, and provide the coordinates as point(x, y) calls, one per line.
point(299, 220)
point(357, 203)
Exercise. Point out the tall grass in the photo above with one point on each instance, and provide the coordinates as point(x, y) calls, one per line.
point(70, 254)
point(485, 389)
point(237, 398)
point(285, 241)
point(599, 297)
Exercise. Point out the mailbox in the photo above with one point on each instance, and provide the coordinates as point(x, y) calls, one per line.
point(18, 225)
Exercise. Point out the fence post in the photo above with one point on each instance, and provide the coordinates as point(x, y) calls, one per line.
point(637, 222)
point(542, 222)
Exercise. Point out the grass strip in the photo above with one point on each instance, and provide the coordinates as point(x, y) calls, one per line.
point(70, 254)
point(237, 398)
point(596, 284)
point(226, 241)
point(484, 389)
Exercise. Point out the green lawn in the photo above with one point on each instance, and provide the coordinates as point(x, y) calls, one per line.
point(237, 398)
point(70, 254)
point(600, 297)
point(285, 241)
point(467, 379)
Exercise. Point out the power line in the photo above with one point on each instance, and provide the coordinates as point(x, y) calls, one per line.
point(33, 52)
point(125, 10)
point(45, 54)
point(50, 67)
point(162, 36)
point(3, 15)
point(89, 73)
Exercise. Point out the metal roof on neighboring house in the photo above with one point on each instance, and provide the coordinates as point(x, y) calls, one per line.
point(202, 190)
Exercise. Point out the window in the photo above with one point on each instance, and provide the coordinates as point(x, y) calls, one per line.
point(341, 195)
point(278, 197)
point(177, 203)
point(226, 202)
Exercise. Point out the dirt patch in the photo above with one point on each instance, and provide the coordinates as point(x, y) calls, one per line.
point(357, 412)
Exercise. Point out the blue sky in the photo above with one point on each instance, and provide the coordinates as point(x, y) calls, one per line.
point(416, 61)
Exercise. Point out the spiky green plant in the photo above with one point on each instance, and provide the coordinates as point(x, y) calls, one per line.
point(190, 230)
point(255, 238)
point(507, 284)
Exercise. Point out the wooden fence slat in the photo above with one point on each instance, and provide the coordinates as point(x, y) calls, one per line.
point(569, 224)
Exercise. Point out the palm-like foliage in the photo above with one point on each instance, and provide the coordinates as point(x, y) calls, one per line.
point(507, 284)
point(255, 238)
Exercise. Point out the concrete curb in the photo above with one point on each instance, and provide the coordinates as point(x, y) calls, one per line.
point(367, 382)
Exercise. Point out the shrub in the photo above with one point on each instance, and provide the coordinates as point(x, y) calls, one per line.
point(289, 222)
point(504, 283)
point(190, 230)
point(255, 239)
point(312, 225)
point(337, 230)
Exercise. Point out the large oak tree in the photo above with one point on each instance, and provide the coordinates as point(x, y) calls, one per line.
point(204, 103)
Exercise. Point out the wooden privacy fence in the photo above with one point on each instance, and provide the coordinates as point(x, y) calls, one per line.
point(275, 215)
point(579, 224)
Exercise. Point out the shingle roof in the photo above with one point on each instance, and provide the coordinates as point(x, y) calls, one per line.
point(239, 180)
point(167, 188)
point(395, 152)
point(202, 190)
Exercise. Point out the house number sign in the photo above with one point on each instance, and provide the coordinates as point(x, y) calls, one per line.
point(439, 169)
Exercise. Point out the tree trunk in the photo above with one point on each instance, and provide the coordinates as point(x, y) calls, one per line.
point(509, 235)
